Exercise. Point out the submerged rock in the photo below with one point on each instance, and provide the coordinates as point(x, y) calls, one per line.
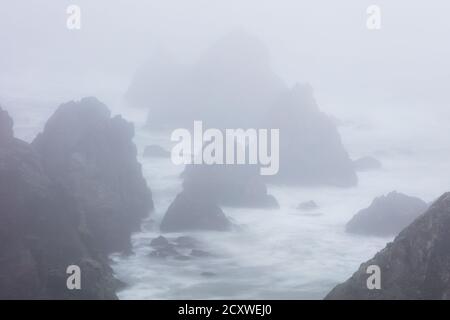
point(414, 266)
point(42, 231)
point(366, 164)
point(159, 242)
point(92, 156)
point(387, 215)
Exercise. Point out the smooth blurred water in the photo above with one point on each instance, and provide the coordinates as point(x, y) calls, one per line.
point(275, 254)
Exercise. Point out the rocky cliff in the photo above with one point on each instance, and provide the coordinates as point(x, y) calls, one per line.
point(41, 231)
point(92, 157)
point(416, 265)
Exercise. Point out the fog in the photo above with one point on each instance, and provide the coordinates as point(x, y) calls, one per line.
point(386, 91)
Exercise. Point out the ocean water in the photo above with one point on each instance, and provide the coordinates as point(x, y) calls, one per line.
point(274, 254)
point(284, 253)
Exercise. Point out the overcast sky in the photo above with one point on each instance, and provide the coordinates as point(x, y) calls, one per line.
point(322, 42)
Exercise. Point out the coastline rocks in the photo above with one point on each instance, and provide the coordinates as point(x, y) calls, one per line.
point(387, 215)
point(155, 151)
point(367, 164)
point(41, 232)
point(311, 151)
point(414, 266)
point(308, 206)
point(92, 156)
point(187, 212)
point(181, 248)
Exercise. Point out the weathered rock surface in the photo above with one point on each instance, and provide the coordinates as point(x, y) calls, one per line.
point(387, 215)
point(92, 156)
point(41, 231)
point(416, 265)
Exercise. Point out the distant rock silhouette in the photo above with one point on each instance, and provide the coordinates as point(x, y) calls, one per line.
point(41, 231)
point(156, 151)
point(311, 151)
point(230, 86)
point(92, 156)
point(308, 206)
point(190, 212)
point(207, 187)
point(387, 215)
point(414, 266)
point(366, 164)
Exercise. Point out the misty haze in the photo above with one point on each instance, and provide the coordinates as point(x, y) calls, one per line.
point(339, 171)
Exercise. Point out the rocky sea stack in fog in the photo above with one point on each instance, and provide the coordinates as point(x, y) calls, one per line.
point(207, 187)
point(387, 215)
point(414, 266)
point(233, 86)
point(42, 231)
point(92, 156)
point(311, 151)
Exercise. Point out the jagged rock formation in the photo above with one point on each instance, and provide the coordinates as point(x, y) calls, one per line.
point(387, 215)
point(414, 266)
point(366, 164)
point(41, 232)
point(311, 151)
point(233, 86)
point(91, 156)
point(206, 188)
point(193, 212)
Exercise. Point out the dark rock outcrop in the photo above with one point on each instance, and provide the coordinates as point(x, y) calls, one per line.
point(92, 156)
point(387, 215)
point(311, 151)
point(41, 231)
point(416, 265)
point(156, 151)
point(191, 212)
point(366, 164)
